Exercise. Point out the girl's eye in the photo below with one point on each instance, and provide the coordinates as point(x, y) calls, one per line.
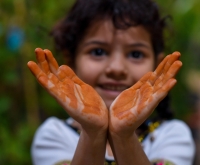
point(98, 52)
point(136, 55)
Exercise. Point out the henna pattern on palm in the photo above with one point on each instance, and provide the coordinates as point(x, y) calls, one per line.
point(135, 104)
point(83, 103)
point(80, 100)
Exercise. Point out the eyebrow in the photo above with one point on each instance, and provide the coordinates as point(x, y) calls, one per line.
point(95, 42)
point(138, 44)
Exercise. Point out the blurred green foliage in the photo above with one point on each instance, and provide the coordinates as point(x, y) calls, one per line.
point(24, 105)
point(185, 38)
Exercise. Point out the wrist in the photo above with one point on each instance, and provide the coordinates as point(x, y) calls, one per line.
point(94, 135)
point(123, 133)
point(125, 147)
point(91, 148)
point(122, 138)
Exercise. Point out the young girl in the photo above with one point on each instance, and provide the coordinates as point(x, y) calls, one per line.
point(113, 48)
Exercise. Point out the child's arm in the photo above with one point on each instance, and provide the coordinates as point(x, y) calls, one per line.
point(80, 101)
point(131, 108)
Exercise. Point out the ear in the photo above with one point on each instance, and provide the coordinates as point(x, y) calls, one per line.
point(159, 58)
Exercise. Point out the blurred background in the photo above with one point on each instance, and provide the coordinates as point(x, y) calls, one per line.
point(24, 105)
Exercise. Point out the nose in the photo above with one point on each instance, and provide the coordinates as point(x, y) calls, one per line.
point(116, 67)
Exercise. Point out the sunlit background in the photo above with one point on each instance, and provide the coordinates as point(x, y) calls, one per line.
point(24, 105)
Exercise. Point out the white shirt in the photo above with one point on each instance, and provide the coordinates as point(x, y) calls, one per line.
point(54, 142)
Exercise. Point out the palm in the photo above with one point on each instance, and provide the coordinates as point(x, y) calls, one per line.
point(135, 104)
point(79, 99)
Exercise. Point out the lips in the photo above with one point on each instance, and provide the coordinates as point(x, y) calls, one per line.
point(111, 87)
point(109, 91)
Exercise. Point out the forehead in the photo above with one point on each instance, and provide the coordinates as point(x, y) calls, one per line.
point(105, 31)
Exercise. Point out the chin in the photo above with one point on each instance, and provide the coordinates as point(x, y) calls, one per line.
point(108, 103)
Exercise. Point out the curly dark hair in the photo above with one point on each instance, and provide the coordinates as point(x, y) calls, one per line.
point(68, 32)
point(124, 13)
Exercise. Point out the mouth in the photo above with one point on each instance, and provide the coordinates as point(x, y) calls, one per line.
point(110, 91)
point(114, 88)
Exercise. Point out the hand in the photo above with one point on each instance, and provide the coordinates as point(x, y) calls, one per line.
point(134, 105)
point(79, 100)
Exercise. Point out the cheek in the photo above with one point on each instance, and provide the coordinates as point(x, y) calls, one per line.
point(141, 70)
point(88, 72)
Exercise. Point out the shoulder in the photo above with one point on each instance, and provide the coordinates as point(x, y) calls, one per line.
point(174, 131)
point(53, 141)
point(172, 141)
point(177, 132)
point(49, 122)
point(51, 126)
point(175, 126)
point(54, 127)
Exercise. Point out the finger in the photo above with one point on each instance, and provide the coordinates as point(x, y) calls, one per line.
point(38, 73)
point(174, 57)
point(158, 72)
point(34, 68)
point(173, 70)
point(156, 98)
point(160, 67)
point(46, 81)
point(43, 64)
point(53, 65)
point(66, 72)
point(162, 92)
point(142, 81)
point(164, 66)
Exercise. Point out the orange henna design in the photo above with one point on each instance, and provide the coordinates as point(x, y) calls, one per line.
point(85, 94)
point(52, 61)
point(131, 97)
point(63, 84)
point(140, 100)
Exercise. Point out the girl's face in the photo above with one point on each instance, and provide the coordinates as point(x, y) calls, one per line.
point(112, 60)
